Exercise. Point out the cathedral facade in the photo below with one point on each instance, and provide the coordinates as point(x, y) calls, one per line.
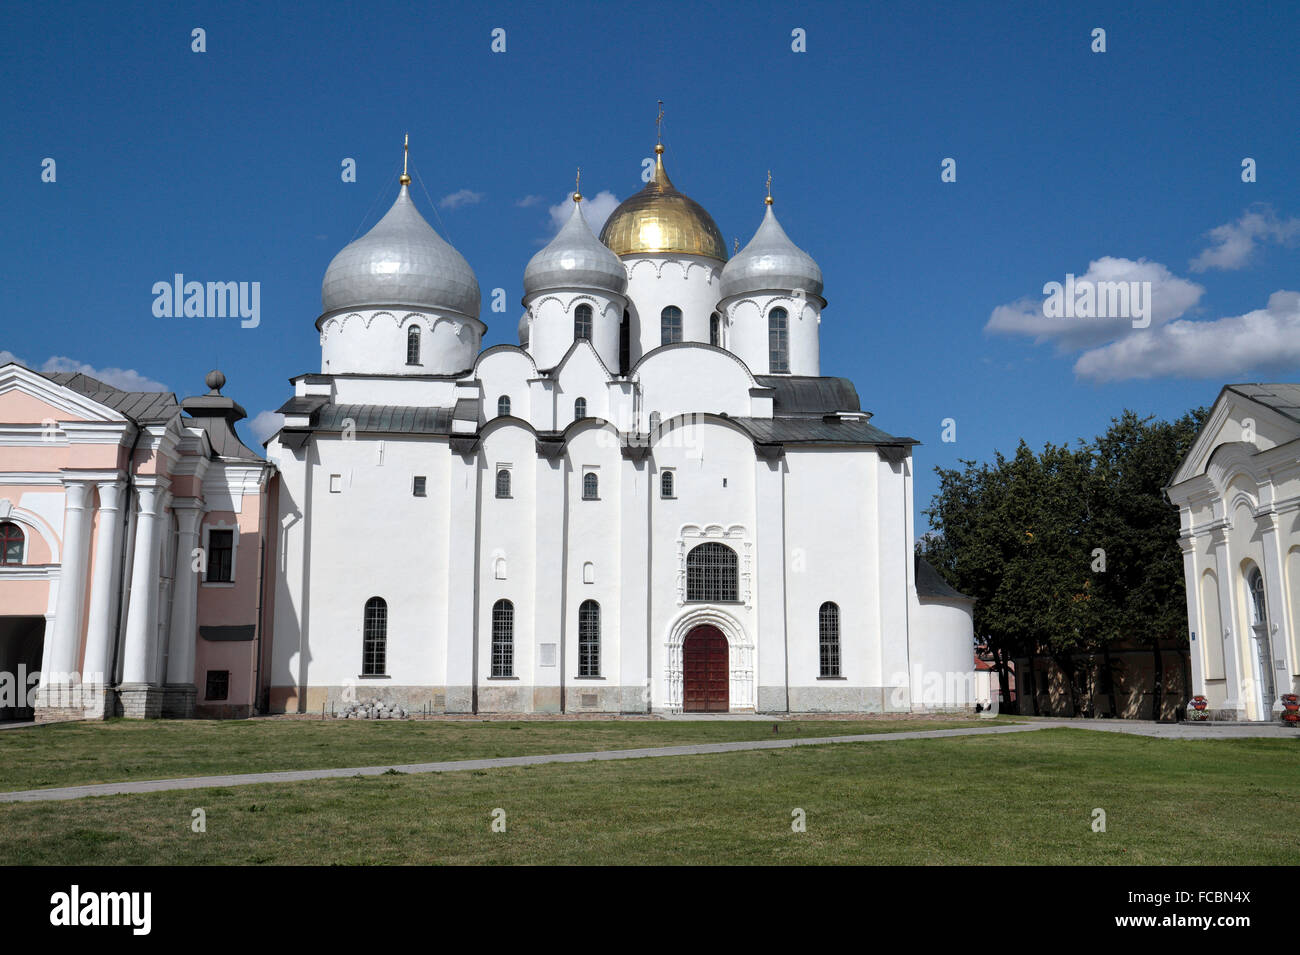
point(654, 502)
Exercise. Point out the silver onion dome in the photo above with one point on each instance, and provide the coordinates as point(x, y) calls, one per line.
point(575, 259)
point(770, 262)
point(523, 330)
point(401, 261)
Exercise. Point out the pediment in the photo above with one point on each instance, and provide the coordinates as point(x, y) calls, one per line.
point(27, 397)
point(1235, 420)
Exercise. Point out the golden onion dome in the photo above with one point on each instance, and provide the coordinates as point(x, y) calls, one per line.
point(661, 219)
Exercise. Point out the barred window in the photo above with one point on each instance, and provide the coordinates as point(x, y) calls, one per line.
point(828, 626)
point(503, 482)
point(582, 323)
point(715, 330)
point(413, 346)
point(590, 486)
point(589, 639)
point(374, 649)
point(503, 638)
point(579, 409)
point(418, 486)
point(666, 484)
point(778, 342)
point(711, 573)
point(670, 325)
point(221, 556)
point(503, 406)
point(11, 543)
point(218, 685)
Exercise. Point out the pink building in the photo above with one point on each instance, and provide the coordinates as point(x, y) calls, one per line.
point(133, 551)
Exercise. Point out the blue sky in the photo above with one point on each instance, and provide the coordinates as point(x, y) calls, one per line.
point(225, 166)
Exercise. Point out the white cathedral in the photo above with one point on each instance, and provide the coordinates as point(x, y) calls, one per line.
point(655, 502)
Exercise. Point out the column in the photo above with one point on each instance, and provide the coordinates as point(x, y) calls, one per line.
point(103, 594)
point(72, 581)
point(1279, 637)
point(141, 696)
point(769, 544)
point(637, 694)
point(56, 698)
point(462, 595)
point(549, 584)
point(1228, 611)
point(1196, 629)
point(180, 691)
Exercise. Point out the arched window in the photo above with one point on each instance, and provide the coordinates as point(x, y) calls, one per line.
point(711, 573)
point(413, 346)
point(670, 325)
point(778, 342)
point(374, 648)
point(503, 638)
point(11, 543)
point(589, 639)
point(828, 627)
point(1258, 608)
point(503, 406)
point(715, 329)
point(624, 343)
point(503, 482)
point(582, 323)
point(579, 408)
point(590, 486)
point(666, 484)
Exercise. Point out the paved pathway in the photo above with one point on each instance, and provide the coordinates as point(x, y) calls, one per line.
point(1141, 728)
point(1170, 730)
point(291, 776)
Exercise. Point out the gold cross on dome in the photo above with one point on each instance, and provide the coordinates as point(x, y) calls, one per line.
point(577, 186)
point(406, 151)
point(659, 123)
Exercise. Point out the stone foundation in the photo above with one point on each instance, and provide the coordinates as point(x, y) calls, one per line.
point(178, 701)
point(64, 702)
point(141, 701)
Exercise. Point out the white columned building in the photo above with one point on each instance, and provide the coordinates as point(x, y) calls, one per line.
point(1238, 494)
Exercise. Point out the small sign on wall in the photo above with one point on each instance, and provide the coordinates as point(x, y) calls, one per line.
point(547, 654)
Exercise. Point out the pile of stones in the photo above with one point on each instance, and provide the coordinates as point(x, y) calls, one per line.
point(371, 709)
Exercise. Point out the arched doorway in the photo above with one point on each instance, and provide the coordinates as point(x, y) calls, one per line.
point(706, 671)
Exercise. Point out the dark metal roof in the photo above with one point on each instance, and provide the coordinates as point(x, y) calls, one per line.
point(390, 419)
point(929, 583)
point(827, 429)
point(1284, 398)
point(142, 407)
point(303, 404)
point(805, 394)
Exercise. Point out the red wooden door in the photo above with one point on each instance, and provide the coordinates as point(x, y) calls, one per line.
point(706, 673)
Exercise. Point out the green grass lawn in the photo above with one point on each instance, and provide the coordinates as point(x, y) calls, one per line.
point(72, 754)
point(1022, 798)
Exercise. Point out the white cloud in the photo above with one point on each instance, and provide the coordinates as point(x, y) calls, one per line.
point(1171, 297)
point(596, 208)
point(125, 379)
point(265, 424)
point(1235, 242)
point(7, 356)
point(462, 197)
point(1264, 340)
point(528, 201)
